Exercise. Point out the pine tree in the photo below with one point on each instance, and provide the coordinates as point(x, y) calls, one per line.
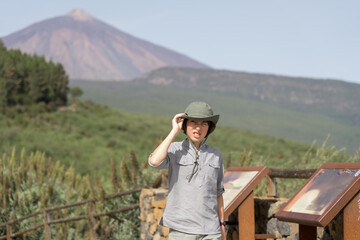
point(27, 80)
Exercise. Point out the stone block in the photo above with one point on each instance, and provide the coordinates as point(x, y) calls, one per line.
point(283, 228)
point(157, 236)
point(160, 191)
point(146, 192)
point(294, 231)
point(146, 198)
point(150, 218)
point(153, 228)
point(158, 212)
point(143, 216)
point(159, 201)
point(274, 208)
point(271, 227)
point(278, 228)
point(164, 231)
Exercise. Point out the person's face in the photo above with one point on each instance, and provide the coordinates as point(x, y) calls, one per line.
point(196, 130)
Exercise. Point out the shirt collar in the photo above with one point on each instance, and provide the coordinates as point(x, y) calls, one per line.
point(186, 145)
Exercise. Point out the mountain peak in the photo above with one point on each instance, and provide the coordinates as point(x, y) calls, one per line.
point(93, 50)
point(80, 15)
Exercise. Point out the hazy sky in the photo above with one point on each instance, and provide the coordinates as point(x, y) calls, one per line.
point(309, 38)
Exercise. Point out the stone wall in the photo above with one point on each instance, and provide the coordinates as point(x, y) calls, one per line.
point(153, 201)
point(152, 205)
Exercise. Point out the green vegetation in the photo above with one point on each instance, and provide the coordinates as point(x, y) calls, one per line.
point(86, 136)
point(27, 80)
point(31, 183)
point(242, 113)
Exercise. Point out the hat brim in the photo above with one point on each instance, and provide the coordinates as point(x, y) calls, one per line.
point(214, 118)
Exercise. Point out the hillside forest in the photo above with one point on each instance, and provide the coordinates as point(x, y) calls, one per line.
point(57, 149)
point(27, 80)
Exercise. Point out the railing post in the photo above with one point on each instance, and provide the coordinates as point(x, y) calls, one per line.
point(8, 231)
point(271, 186)
point(92, 220)
point(164, 179)
point(47, 226)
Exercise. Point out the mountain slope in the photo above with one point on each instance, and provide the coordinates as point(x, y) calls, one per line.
point(91, 49)
point(86, 136)
point(335, 99)
point(167, 91)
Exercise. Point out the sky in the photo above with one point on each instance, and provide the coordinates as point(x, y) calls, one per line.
point(307, 38)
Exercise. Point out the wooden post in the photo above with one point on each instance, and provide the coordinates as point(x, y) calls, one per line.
point(352, 219)
point(307, 232)
point(92, 220)
point(8, 232)
point(246, 218)
point(47, 226)
point(271, 186)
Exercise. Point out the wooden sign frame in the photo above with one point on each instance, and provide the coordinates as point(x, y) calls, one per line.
point(312, 205)
point(244, 191)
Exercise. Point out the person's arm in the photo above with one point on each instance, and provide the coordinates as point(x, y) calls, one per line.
point(160, 152)
point(220, 203)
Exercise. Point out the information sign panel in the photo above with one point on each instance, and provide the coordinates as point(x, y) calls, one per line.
point(239, 182)
point(323, 196)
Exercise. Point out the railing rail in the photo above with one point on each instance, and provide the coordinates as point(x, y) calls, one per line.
point(91, 216)
point(290, 173)
point(285, 173)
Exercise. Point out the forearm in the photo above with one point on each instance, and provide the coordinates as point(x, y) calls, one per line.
point(220, 202)
point(160, 152)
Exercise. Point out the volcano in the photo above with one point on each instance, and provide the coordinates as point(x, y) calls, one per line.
point(90, 49)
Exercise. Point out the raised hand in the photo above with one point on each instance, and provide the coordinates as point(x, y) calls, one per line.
point(177, 122)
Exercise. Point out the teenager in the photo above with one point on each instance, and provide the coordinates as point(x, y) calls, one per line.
point(194, 208)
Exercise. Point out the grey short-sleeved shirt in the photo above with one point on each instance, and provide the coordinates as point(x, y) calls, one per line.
point(192, 206)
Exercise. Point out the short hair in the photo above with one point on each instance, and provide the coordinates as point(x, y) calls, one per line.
point(210, 129)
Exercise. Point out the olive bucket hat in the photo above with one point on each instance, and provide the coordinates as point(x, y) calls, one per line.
point(202, 111)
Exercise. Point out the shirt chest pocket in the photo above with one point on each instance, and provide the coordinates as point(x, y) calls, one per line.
point(184, 166)
point(212, 170)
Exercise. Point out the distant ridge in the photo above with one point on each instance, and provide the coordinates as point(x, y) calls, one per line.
point(337, 99)
point(93, 50)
